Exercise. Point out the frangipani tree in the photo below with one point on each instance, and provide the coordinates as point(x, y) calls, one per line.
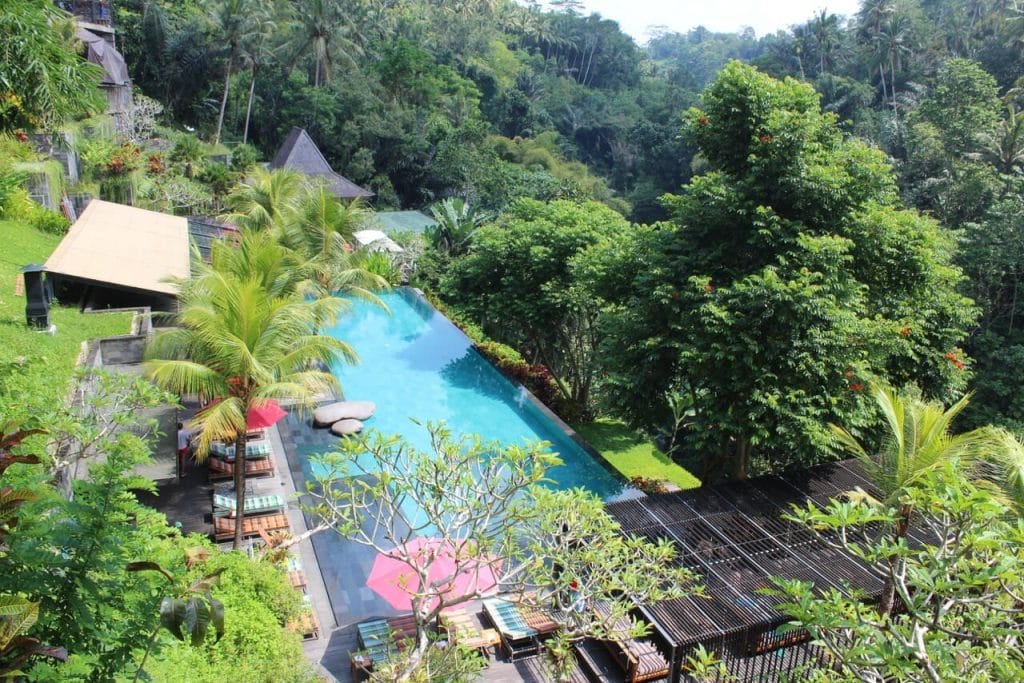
point(240, 343)
point(961, 589)
point(489, 502)
point(918, 441)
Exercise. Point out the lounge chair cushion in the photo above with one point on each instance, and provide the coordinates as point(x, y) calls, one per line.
point(252, 503)
point(334, 412)
point(507, 618)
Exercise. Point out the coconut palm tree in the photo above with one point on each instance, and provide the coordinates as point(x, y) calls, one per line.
point(264, 200)
point(258, 52)
point(917, 442)
point(1004, 147)
point(1006, 468)
point(321, 229)
point(233, 21)
point(826, 33)
point(325, 31)
point(240, 343)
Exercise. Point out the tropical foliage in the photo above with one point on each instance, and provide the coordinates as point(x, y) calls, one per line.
point(958, 590)
point(491, 517)
point(241, 341)
point(43, 80)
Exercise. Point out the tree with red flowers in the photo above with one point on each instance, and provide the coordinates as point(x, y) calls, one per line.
point(789, 278)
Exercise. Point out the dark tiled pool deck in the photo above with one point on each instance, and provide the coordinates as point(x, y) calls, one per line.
point(345, 567)
point(338, 590)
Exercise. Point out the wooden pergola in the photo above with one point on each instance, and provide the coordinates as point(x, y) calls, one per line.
point(734, 537)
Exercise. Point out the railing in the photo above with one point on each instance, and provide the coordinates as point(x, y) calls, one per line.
point(92, 11)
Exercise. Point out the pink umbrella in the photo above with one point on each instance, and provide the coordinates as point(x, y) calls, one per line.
point(394, 580)
point(263, 416)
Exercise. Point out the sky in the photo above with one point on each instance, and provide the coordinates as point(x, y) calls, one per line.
point(764, 16)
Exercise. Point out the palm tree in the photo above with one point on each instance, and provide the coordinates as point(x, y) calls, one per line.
point(257, 53)
point(917, 442)
point(324, 30)
point(457, 220)
point(893, 44)
point(240, 343)
point(321, 229)
point(826, 34)
point(872, 16)
point(234, 22)
point(1004, 147)
point(263, 201)
point(1006, 468)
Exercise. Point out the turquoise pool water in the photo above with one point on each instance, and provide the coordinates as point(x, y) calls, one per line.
point(414, 363)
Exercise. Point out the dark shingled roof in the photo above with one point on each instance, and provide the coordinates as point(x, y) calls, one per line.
point(300, 153)
point(102, 53)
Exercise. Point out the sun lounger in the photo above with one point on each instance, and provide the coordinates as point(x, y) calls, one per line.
point(298, 580)
point(462, 630)
point(403, 629)
point(517, 637)
point(639, 659)
point(538, 619)
point(375, 638)
point(253, 450)
point(224, 527)
point(220, 469)
point(306, 624)
point(254, 505)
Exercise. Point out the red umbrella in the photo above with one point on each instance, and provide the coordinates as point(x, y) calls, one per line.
point(263, 416)
point(394, 580)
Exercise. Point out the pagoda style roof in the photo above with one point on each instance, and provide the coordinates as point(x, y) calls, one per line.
point(300, 153)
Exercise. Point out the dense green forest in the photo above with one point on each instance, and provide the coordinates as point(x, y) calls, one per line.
point(892, 137)
point(730, 243)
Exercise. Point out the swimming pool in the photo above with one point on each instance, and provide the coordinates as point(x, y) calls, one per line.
point(415, 364)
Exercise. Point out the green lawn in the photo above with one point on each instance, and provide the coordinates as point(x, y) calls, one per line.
point(23, 244)
point(633, 455)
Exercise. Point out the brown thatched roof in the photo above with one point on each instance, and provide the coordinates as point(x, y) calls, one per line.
point(300, 153)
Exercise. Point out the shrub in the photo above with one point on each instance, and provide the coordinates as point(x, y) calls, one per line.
point(244, 157)
point(258, 601)
point(381, 263)
point(649, 485)
point(48, 221)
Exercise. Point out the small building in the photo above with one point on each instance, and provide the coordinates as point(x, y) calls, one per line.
point(117, 256)
point(114, 83)
point(300, 153)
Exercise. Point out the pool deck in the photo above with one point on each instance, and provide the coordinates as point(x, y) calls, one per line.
point(336, 569)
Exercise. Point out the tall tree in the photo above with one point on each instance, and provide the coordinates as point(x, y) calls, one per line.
point(519, 283)
point(239, 344)
point(233, 22)
point(788, 277)
point(325, 31)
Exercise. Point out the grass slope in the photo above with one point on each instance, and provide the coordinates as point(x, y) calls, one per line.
point(23, 244)
point(632, 454)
